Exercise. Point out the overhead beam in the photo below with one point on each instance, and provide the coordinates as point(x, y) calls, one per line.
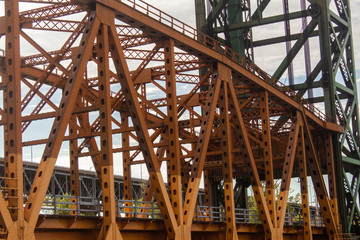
point(262, 21)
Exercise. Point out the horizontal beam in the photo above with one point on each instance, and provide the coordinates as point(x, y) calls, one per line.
point(262, 21)
point(281, 39)
point(58, 223)
point(306, 85)
point(352, 161)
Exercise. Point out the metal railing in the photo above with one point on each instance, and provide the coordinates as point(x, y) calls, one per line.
point(192, 33)
point(86, 206)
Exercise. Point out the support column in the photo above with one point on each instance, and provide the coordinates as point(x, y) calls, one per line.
point(126, 162)
point(208, 189)
point(235, 39)
point(12, 100)
point(173, 132)
point(74, 166)
point(325, 52)
point(300, 155)
point(200, 14)
point(109, 229)
point(240, 192)
point(329, 159)
point(226, 142)
point(13, 214)
point(268, 160)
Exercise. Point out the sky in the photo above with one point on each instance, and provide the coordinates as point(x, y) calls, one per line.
point(266, 58)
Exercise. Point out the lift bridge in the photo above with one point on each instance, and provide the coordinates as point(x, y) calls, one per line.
point(194, 107)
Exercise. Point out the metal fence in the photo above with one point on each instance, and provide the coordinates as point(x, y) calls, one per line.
point(86, 206)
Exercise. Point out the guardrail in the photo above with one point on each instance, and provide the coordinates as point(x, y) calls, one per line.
point(86, 206)
point(191, 32)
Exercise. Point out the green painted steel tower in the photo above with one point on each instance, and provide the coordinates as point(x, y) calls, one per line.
point(315, 38)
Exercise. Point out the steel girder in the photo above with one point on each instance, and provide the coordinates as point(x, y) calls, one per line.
point(56, 228)
point(334, 73)
point(89, 185)
point(140, 82)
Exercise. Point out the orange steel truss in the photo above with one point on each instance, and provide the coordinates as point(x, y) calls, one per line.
point(128, 69)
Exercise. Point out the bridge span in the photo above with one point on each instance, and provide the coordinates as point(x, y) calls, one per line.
point(120, 81)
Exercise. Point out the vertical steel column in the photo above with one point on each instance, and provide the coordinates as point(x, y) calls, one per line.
point(288, 40)
point(74, 165)
point(347, 106)
point(168, 174)
point(325, 52)
point(200, 14)
point(329, 159)
point(226, 151)
point(236, 40)
point(301, 157)
point(207, 188)
point(306, 50)
point(109, 228)
point(268, 160)
point(12, 106)
point(173, 132)
point(126, 162)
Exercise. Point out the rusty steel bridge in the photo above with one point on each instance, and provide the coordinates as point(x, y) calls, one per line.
point(120, 82)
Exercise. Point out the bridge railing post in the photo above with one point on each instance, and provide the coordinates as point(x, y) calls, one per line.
point(118, 208)
point(55, 205)
point(245, 216)
point(78, 205)
point(152, 210)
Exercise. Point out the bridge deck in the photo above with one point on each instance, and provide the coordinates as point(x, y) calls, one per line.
point(74, 227)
